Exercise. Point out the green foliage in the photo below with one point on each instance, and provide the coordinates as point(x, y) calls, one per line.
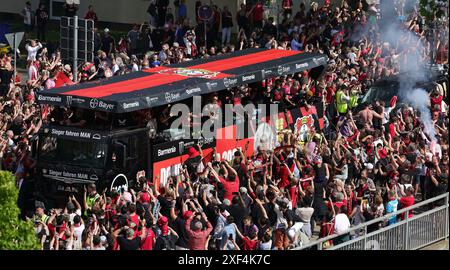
point(431, 9)
point(15, 234)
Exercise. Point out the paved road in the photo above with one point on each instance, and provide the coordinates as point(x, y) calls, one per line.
point(441, 245)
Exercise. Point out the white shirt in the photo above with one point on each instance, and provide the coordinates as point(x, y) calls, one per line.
point(352, 57)
point(27, 16)
point(78, 231)
point(341, 223)
point(115, 68)
point(72, 215)
point(265, 246)
point(387, 112)
point(32, 51)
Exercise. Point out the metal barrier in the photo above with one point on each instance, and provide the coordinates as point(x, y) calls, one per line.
point(411, 233)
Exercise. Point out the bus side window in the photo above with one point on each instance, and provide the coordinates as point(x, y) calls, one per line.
point(133, 147)
point(119, 154)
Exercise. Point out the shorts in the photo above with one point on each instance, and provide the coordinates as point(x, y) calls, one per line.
point(418, 180)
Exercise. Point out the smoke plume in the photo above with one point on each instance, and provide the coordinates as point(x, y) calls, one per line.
point(412, 68)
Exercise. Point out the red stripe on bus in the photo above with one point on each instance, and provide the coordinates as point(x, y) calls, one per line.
point(157, 79)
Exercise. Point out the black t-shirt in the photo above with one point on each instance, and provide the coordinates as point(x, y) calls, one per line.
point(127, 244)
point(238, 212)
point(270, 210)
point(270, 29)
point(192, 164)
point(211, 214)
point(438, 190)
point(106, 44)
point(42, 16)
point(71, 11)
point(243, 179)
point(291, 216)
point(165, 206)
point(183, 239)
point(161, 241)
point(227, 20)
point(5, 76)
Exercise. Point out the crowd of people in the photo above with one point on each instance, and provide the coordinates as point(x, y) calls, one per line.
point(363, 165)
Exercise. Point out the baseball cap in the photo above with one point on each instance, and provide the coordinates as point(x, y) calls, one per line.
point(369, 166)
point(106, 30)
point(187, 214)
point(243, 190)
point(103, 239)
point(226, 202)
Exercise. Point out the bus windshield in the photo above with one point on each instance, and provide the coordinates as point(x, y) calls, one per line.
point(73, 152)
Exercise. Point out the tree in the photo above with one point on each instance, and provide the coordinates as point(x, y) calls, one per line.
point(15, 234)
point(432, 9)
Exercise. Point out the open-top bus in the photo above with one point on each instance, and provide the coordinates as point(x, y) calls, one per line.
point(109, 147)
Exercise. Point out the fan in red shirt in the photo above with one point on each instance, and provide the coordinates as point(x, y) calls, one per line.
point(407, 201)
point(436, 100)
point(287, 8)
point(258, 14)
point(283, 173)
point(149, 239)
point(229, 179)
point(293, 191)
point(250, 242)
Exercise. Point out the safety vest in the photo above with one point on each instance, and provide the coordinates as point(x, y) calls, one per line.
point(44, 218)
point(342, 106)
point(91, 200)
point(353, 101)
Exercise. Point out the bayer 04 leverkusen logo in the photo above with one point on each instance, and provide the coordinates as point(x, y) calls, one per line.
point(190, 72)
point(302, 126)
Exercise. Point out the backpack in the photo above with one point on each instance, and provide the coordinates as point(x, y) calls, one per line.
point(168, 244)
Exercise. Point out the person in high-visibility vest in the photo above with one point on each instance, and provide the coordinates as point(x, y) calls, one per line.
point(342, 100)
point(91, 198)
point(354, 96)
point(40, 212)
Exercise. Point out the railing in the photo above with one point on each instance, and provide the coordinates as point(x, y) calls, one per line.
point(411, 233)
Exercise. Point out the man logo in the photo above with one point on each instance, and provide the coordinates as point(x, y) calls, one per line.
point(168, 97)
point(93, 103)
point(226, 82)
point(280, 70)
point(69, 100)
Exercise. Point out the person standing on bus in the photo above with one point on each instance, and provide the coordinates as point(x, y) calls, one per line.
point(41, 21)
point(227, 25)
point(257, 12)
point(287, 8)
